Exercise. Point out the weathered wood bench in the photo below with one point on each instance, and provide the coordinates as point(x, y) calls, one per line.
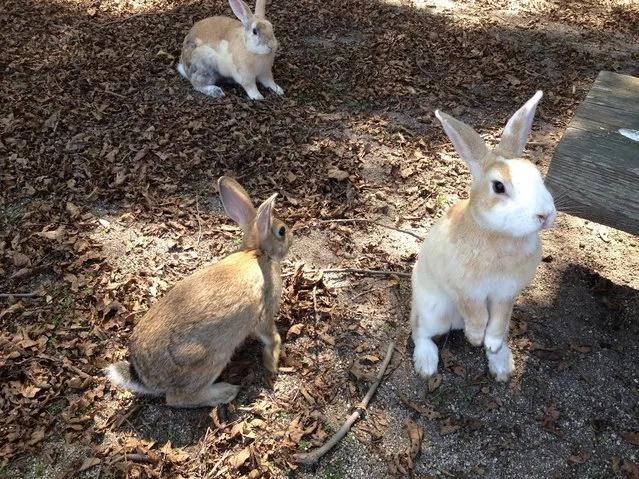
point(595, 169)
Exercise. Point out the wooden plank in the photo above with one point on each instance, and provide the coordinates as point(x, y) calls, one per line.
point(610, 119)
point(616, 91)
point(595, 169)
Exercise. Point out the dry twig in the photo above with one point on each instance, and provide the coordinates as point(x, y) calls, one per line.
point(18, 295)
point(317, 316)
point(362, 220)
point(199, 222)
point(363, 271)
point(314, 456)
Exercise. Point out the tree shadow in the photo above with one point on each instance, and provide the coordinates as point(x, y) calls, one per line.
point(574, 340)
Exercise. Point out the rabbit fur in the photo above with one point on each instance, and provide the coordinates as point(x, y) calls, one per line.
point(218, 48)
point(182, 344)
point(485, 250)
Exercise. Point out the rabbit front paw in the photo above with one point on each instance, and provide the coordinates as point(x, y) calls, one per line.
point(275, 88)
point(425, 358)
point(475, 336)
point(501, 363)
point(270, 361)
point(493, 343)
point(253, 93)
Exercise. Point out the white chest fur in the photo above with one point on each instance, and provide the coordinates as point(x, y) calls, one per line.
point(479, 269)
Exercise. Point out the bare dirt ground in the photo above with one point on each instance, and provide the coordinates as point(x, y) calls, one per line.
point(108, 162)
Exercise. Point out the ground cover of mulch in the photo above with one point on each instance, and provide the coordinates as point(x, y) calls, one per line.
point(108, 166)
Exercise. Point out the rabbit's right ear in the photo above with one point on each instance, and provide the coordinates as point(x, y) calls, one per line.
point(241, 11)
point(236, 201)
point(515, 135)
point(264, 218)
point(260, 8)
point(470, 146)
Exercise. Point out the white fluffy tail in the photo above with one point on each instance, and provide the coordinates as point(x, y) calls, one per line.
point(120, 374)
point(182, 71)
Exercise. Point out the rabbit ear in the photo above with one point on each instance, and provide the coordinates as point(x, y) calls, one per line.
point(470, 146)
point(515, 135)
point(237, 203)
point(260, 8)
point(241, 11)
point(264, 218)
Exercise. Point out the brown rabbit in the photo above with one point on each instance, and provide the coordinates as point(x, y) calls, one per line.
point(180, 347)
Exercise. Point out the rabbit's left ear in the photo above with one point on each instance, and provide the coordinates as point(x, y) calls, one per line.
point(468, 143)
point(236, 202)
point(241, 11)
point(515, 135)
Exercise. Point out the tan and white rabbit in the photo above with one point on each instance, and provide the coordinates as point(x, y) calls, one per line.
point(478, 258)
point(182, 344)
point(219, 48)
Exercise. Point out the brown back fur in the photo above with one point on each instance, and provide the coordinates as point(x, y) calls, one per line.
point(201, 321)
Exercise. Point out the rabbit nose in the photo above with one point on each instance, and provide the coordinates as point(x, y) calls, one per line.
point(546, 219)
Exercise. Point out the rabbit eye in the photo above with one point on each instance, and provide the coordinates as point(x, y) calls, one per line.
point(281, 232)
point(254, 30)
point(499, 188)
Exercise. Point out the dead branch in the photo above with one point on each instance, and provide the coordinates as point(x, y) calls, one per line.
point(138, 458)
point(199, 222)
point(317, 316)
point(362, 220)
point(117, 95)
point(313, 457)
point(18, 295)
point(380, 272)
point(363, 271)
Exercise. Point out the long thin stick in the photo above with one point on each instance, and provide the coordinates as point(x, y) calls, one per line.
point(199, 223)
point(364, 271)
point(353, 270)
point(362, 220)
point(310, 458)
point(18, 295)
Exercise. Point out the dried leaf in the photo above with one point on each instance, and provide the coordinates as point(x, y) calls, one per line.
point(447, 358)
point(448, 427)
point(55, 235)
point(73, 210)
point(580, 348)
point(51, 123)
point(337, 174)
point(579, 459)
point(294, 330)
point(631, 437)
point(434, 382)
point(36, 436)
point(459, 370)
point(20, 260)
point(416, 436)
point(30, 391)
point(89, 462)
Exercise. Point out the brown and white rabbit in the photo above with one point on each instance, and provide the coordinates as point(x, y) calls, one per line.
point(182, 344)
point(219, 48)
point(476, 260)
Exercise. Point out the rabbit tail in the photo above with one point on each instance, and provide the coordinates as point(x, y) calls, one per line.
point(123, 374)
